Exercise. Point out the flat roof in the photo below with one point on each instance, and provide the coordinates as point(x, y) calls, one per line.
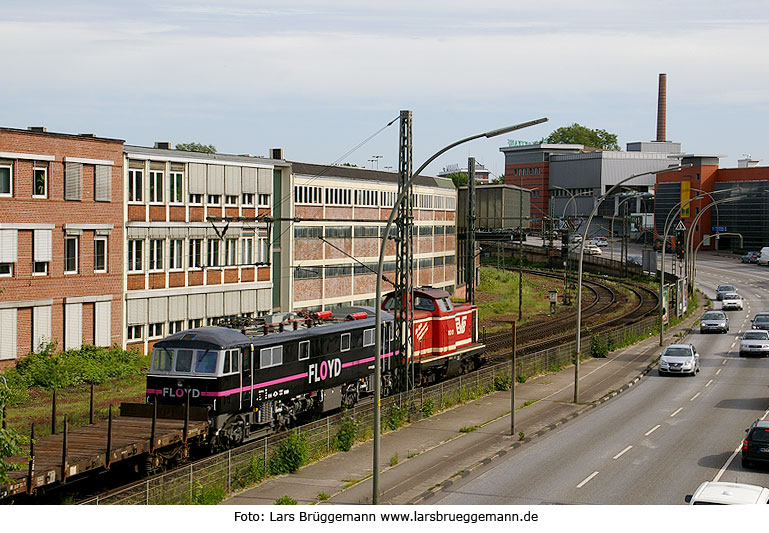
point(185, 156)
point(335, 171)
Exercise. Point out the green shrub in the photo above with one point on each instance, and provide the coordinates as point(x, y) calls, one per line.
point(521, 378)
point(292, 454)
point(323, 496)
point(395, 417)
point(347, 434)
point(285, 500)
point(254, 472)
point(394, 459)
point(212, 495)
point(428, 408)
point(598, 347)
point(502, 383)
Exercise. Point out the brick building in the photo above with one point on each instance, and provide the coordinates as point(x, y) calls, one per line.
point(61, 240)
point(182, 271)
point(341, 212)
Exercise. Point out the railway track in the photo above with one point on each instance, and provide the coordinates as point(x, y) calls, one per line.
point(597, 316)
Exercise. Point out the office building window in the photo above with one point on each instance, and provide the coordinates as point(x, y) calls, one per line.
point(134, 333)
point(6, 180)
point(196, 253)
point(156, 254)
point(176, 187)
point(247, 198)
point(230, 252)
point(100, 254)
point(135, 248)
point(176, 254)
point(135, 185)
point(247, 251)
point(70, 254)
point(156, 186)
point(41, 181)
point(213, 253)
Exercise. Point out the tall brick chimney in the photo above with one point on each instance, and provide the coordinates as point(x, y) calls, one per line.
point(662, 108)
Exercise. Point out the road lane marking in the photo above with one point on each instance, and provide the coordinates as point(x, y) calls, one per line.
point(727, 463)
point(708, 383)
point(694, 397)
point(677, 411)
point(732, 346)
point(718, 371)
point(622, 452)
point(587, 479)
point(652, 430)
point(723, 362)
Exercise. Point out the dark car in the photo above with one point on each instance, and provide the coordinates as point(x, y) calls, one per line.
point(761, 321)
point(755, 447)
point(750, 257)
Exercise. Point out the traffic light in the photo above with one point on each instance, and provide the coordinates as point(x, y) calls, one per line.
point(565, 236)
point(680, 244)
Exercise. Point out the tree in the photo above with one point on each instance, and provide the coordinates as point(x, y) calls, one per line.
point(459, 179)
point(197, 147)
point(578, 134)
point(499, 180)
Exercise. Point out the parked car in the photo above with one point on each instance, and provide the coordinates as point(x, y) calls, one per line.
point(755, 342)
point(714, 321)
point(755, 447)
point(723, 289)
point(731, 300)
point(761, 321)
point(750, 257)
point(724, 493)
point(591, 249)
point(679, 359)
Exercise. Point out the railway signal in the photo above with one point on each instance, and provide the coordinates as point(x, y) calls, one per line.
point(679, 243)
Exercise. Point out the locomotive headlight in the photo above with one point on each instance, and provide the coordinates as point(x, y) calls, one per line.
point(179, 383)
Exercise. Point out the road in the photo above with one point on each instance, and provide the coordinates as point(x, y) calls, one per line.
point(657, 442)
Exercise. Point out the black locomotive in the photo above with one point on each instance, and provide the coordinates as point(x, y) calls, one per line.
point(247, 380)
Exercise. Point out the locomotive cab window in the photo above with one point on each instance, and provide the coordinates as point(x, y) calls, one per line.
point(445, 305)
point(344, 343)
point(230, 361)
point(183, 361)
point(205, 362)
point(368, 337)
point(425, 304)
point(304, 350)
point(270, 356)
point(162, 359)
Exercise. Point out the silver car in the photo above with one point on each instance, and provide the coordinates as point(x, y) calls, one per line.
point(755, 342)
point(679, 359)
point(731, 300)
point(714, 321)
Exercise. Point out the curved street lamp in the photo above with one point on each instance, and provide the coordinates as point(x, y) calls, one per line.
point(697, 249)
point(582, 255)
point(378, 306)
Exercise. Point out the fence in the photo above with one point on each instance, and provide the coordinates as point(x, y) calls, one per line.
point(249, 464)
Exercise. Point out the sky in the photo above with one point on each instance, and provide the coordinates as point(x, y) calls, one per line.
point(323, 80)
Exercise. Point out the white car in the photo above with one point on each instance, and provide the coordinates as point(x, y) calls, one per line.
point(601, 242)
point(722, 493)
point(679, 359)
point(591, 249)
point(755, 342)
point(731, 300)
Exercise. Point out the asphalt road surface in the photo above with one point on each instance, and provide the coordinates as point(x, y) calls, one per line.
point(656, 443)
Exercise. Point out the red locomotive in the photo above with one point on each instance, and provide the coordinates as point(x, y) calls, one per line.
point(445, 335)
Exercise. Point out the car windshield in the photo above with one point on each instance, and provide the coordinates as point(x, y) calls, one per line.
point(761, 318)
point(714, 315)
point(760, 435)
point(732, 296)
point(753, 335)
point(678, 351)
point(722, 288)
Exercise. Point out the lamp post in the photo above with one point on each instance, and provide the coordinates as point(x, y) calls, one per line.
point(697, 249)
point(581, 257)
point(378, 306)
point(666, 230)
point(611, 226)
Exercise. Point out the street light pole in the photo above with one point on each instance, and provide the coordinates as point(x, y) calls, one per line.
point(581, 257)
point(380, 268)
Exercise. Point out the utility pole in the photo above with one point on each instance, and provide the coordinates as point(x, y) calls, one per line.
point(470, 237)
point(404, 259)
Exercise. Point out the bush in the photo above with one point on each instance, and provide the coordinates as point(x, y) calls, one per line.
point(212, 495)
point(347, 434)
point(502, 383)
point(254, 472)
point(598, 348)
point(428, 408)
point(285, 500)
point(395, 417)
point(291, 455)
